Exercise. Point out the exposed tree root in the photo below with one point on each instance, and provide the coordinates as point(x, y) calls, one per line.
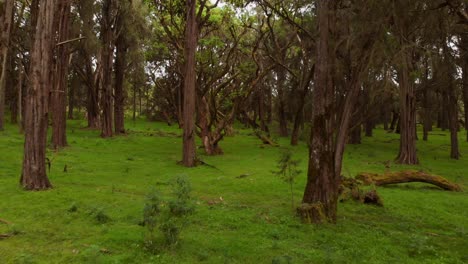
point(405, 177)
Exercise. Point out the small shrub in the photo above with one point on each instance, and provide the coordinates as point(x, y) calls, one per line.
point(287, 170)
point(100, 216)
point(73, 208)
point(168, 220)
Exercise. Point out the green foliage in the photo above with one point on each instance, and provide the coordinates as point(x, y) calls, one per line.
point(288, 170)
point(168, 220)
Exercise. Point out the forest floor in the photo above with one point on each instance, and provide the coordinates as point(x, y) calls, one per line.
point(238, 219)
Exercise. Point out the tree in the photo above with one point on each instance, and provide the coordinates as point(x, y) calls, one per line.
point(191, 39)
point(106, 63)
point(60, 78)
point(6, 20)
point(34, 175)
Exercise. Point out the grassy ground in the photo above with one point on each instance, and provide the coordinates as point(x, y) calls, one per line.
point(237, 220)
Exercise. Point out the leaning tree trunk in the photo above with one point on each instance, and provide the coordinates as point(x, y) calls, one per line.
point(5, 25)
point(321, 192)
point(191, 38)
point(59, 94)
point(107, 54)
point(407, 154)
point(119, 105)
point(34, 175)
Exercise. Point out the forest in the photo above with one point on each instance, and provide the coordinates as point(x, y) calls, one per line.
point(233, 131)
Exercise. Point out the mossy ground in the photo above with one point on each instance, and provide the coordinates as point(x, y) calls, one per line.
point(238, 219)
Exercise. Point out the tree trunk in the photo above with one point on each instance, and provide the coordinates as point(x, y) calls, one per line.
point(5, 25)
point(283, 122)
point(452, 110)
point(107, 54)
point(34, 175)
point(75, 86)
point(261, 110)
point(395, 120)
point(369, 126)
point(19, 97)
point(120, 65)
point(465, 78)
point(59, 94)
point(209, 139)
point(299, 117)
point(321, 192)
point(407, 153)
point(191, 39)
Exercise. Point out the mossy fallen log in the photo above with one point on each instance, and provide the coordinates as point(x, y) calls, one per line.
point(406, 177)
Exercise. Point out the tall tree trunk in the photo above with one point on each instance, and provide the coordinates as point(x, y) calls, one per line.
point(34, 175)
point(107, 54)
point(407, 153)
point(74, 87)
point(321, 192)
point(283, 122)
point(120, 65)
point(261, 110)
point(427, 113)
point(134, 102)
point(191, 39)
point(465, 78)
point(5, 25)
point(452, 110)
point(19, 96)
point(59, 94)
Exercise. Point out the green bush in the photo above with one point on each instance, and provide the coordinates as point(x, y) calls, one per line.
point(169, 220)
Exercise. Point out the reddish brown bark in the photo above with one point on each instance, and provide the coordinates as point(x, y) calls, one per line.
point(321, 192)
point(58, 94)
point(191, 37)
point(407, 153)
point(34, 175)
point(120, 65)
point(6, 21)
point(210, 139)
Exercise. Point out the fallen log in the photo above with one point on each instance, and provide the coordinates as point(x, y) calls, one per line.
point(265, 139)
point(2, 236)
point(5, 222)
point(405, 177)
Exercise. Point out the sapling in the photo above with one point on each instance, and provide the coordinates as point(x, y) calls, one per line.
point(167, 216)
point(287, 170)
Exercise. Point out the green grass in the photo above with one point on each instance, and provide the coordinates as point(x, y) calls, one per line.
point(237, 220)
